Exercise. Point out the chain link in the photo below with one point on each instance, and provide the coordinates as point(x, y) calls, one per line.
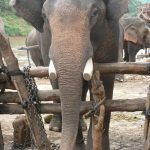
point(33, 100)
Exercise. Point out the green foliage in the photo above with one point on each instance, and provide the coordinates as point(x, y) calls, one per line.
point(14, 26)
point(132, 6)
point(145, 1)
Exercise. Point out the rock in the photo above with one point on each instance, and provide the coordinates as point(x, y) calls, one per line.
point(21, 135)
point(48, 118)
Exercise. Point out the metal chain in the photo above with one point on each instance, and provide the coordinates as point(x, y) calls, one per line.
point(33, 100)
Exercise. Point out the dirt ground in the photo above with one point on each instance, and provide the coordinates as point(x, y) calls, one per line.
point(126, 129)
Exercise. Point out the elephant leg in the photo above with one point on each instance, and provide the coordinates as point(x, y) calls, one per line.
point(56, 122)
point(108, 82)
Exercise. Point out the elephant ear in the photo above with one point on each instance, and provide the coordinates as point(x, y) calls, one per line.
point(30, 10)
point(116, 8)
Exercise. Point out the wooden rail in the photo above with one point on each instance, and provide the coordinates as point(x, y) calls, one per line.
point(116, 68)
point(44, 95)
point(129, 105)
point(119, 68)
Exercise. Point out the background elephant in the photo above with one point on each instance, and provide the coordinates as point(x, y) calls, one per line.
point(131, 50)
point(80, 29)
point(33, 39)
point(136, 36)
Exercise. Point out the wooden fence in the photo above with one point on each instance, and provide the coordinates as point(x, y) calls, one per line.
point(10, 101)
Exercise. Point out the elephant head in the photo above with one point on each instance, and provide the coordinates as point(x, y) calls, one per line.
point(135, 30)
point(75, 26)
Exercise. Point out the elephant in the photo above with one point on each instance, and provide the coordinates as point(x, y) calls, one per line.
point(33, 39)
point(131, 50)
point(80, 30)
point(136, 36)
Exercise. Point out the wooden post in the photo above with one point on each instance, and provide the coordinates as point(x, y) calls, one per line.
point(34, 122)
point(98, 119)
point(147, 124)
point(1, 139)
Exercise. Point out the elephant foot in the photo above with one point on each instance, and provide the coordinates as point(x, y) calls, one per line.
point(56, 123)
point(83, 124)
point(80, 147)
point(48, 118)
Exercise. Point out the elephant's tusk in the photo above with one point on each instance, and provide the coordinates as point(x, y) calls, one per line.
point(88, 70)
point(52, 71)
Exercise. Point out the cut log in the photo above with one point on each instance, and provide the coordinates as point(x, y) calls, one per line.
point(116, 68)
point(147, 124)
point(129, 105)
point(124, 68)
point(44, 95)
point(98, 118)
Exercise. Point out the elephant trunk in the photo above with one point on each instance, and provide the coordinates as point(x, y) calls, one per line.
point(70, 84)
point(69, 64)
point(70, 50)
point(70, 75)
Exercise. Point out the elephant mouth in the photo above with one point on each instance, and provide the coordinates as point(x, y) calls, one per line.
point(87, 72)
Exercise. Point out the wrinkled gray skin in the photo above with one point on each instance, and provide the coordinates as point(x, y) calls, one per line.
point(80, 29)
point(136, 35)
point(33, 39)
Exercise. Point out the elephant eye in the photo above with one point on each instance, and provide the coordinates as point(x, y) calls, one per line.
point(94, 12)
point(44, 15)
